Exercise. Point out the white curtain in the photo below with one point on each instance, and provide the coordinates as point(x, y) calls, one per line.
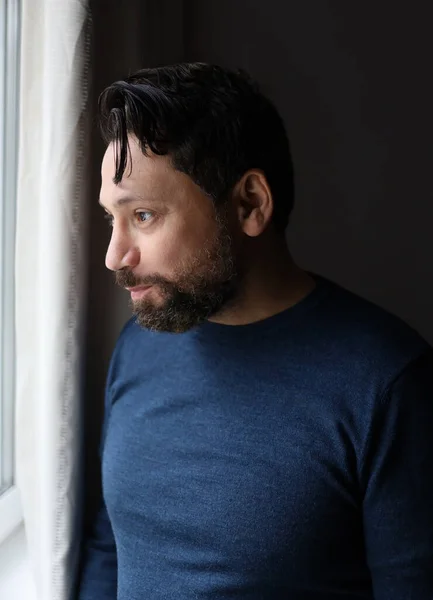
point(50, 276)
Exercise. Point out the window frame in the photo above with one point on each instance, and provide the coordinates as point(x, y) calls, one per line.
point(10, 506)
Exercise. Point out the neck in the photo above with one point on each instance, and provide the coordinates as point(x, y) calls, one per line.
point(272, 283)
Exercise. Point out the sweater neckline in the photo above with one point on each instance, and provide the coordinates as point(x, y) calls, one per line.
point(212, 330)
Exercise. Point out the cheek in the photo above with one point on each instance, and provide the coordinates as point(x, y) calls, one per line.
point(158, 256)
point(174, 248)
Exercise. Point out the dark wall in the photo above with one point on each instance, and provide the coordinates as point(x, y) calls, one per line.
point(352, 81)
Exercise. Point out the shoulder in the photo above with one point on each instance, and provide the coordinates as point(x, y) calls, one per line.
point(375, 371)
point(132, 336)
point(365, 339)
point(131, 340)
point(137, 346)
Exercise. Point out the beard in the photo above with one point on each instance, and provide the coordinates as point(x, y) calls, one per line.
point(202, 286)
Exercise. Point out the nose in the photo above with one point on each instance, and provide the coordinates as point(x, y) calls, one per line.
point(121, 252)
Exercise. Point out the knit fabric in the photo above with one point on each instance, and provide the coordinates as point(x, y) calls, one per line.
point(286, 459)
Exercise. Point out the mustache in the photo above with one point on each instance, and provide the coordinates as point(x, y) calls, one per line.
point(127, 279)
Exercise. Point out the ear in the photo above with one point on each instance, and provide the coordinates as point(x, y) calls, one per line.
point(254, 202)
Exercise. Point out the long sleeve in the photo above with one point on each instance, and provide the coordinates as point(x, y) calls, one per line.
point(99, 577)
point(398, 501)
point(99, 573)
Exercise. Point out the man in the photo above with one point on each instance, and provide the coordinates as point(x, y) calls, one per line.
point(267, 434)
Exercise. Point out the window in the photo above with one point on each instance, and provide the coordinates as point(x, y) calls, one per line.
point(10, 514)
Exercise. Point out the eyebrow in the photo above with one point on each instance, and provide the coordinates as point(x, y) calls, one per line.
point(121, 201)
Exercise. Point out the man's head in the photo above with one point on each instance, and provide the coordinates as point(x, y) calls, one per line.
point(197, 165)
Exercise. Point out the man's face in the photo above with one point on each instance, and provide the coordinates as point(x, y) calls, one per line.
point(168, 242)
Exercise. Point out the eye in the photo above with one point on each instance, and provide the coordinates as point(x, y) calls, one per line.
point(109, 218)
point(143, 216)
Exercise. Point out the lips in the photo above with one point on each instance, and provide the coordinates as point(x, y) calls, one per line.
point(138, 291)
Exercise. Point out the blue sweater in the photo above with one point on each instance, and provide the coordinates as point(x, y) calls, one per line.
point(286, 459)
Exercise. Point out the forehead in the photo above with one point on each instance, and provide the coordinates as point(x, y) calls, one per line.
point(143, 174)
point(152, 179)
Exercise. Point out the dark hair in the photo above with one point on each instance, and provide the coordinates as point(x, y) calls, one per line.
point(214, 123)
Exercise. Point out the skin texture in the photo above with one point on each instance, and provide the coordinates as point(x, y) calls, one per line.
point(223, 264)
